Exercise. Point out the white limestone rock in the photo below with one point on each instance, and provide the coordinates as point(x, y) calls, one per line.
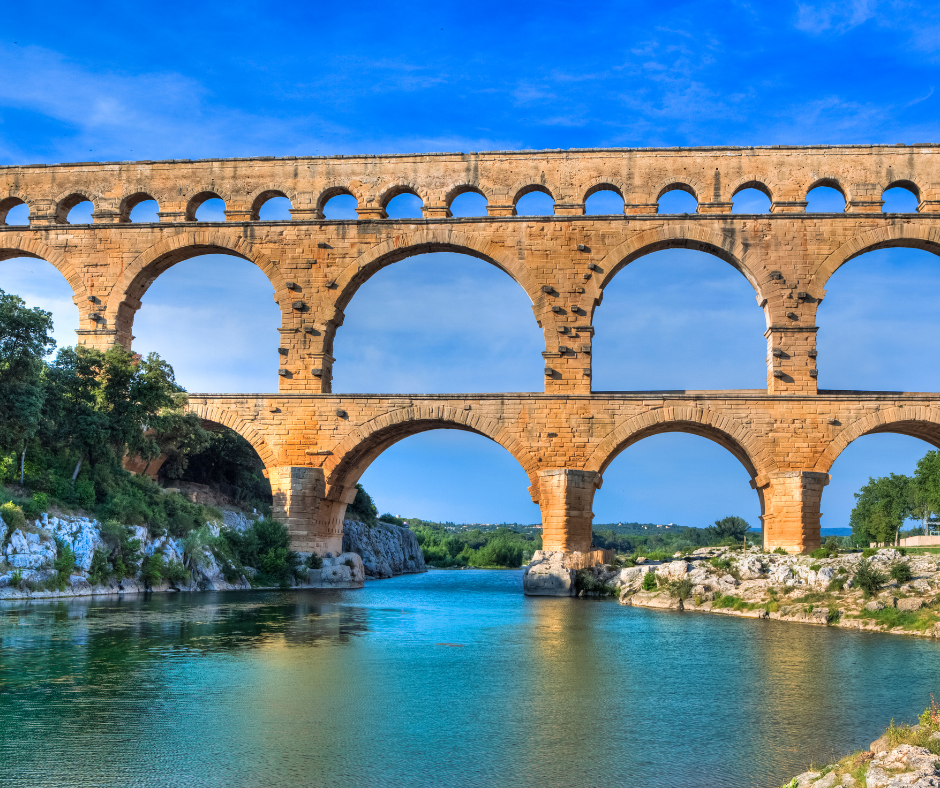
point(906, 765)
point(386, 549)
point(547, 575)
point(344, 571)
point(675, 570)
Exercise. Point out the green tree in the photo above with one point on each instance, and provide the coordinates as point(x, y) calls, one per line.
point(925, 490)
point(103, 405)
point(731, 528)
point(363, 508)
point(881, 507)
point(24, 340)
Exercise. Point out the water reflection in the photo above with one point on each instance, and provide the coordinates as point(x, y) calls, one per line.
point(446, 678)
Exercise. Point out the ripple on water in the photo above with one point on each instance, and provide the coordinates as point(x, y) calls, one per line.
point(446, 678)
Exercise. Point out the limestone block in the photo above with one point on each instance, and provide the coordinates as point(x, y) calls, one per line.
point(344, 571)
point(547, 575)
point(910, 604)
point(675, 570)
point(905, 765)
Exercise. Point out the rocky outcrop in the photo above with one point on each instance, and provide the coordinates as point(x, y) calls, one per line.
point(344, 571)
point(386, 549)
point(548, 574)
point(29, 554)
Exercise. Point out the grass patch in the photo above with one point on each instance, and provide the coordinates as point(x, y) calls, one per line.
point(892, 618)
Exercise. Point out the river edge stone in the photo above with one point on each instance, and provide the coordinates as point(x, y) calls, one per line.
point(31, 551)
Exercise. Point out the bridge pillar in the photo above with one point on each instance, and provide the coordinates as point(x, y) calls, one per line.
point(565, 497)
point(315, 522)
point(792, 509)
point(791, 359)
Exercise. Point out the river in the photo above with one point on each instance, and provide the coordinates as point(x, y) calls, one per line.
point(443, 679)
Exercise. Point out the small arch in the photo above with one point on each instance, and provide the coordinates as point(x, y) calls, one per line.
point(131, 204)
point(826, 195)
point(391, 251)
point(404, 204)
point(14, 211)
point(604, 199)
point(340, 207)
point(675, 198)
point(901, 197)
point(215, 209)
point(334, 190)
point(720, 428)
point(751, 197)
point(916, 421)
point(75, 200)
point(271, 205)
point(893, 234)
point(218, 414)
point(356, 452)
point(466, 200)
point(674, 236)
point(531, 201)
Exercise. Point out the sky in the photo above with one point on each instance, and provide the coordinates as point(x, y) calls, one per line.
point(110, 81)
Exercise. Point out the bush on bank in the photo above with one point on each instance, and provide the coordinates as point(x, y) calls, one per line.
point(503, 548)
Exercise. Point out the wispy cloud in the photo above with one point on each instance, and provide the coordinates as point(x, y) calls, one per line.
point(835, 17)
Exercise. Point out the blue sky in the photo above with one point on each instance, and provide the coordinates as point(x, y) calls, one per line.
point(136, 81)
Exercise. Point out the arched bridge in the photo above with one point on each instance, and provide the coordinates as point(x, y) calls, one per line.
point(316, 445)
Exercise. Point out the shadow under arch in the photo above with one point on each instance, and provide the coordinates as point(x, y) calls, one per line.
point(921, 422)
point(423, 242)
point(680, 236)
point(720, 429)
point(352, 456)
point(235, 422)
point(895, 234)
point(124, 300)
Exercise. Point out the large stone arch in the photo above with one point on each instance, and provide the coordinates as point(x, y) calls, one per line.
point(124, 300)
point(235, 421)
point(405, 245)
point(914, 235)
point(18, 245)
point(728, 433)
point(725, 247)
point(351, 457)
point(917, 421)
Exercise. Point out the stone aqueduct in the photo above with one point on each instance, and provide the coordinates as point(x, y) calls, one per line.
point(316, 445)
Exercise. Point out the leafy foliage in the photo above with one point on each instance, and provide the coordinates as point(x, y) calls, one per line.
point(362, 508)
point(24, 341)
point(501, 548)
point(731, 528)
point(868, 578)
point(881, 508)
point(649, 582)
point(266, 547)
point(901, 571)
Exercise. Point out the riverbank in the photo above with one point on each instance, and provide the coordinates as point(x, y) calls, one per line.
point(755, 584)
point(904, 755)
point(61, 555)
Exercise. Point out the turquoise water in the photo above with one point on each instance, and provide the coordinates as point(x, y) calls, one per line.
point(443, 679)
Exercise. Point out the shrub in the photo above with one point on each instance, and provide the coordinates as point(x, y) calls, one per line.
point(649, 581)
point(65, 557)
point(836, 584)
point(125, 556)
point(780, 551)
point(100, 571)
point(16, 578)
point(869, 579)
point(151, 570)
point(41, 500)
point(682, 589)
point(868, 552)
point(175, 573)
point(721, 563)
point(833, 616)
point(586, 583)
point(772, 607)
point(901, 571)
point(314, 561)
point(13, 516)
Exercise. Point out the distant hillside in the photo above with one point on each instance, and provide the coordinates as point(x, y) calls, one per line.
point(639, 529)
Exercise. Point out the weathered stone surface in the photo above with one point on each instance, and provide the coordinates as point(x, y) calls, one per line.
point(344, 571)
point(910, 604)
point(564, 437)
point(905, 765)
point(875, 605)
point(386, 549)
point(548, 575)
point(674, 570)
